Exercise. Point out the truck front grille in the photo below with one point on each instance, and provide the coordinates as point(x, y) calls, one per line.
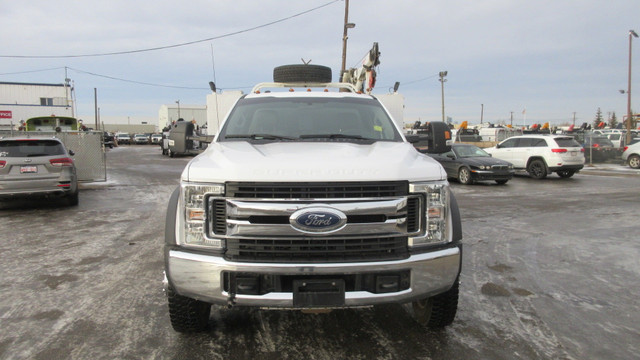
point(320, 249)
point(306, 190)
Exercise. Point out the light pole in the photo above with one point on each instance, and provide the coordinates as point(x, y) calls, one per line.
point(178, 102)
point(442, 80)
point(632, 34)
point(347, 25)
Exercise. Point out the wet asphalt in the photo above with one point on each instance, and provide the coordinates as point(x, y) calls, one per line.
point(550, 271)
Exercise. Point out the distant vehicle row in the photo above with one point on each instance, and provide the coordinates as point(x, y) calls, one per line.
point(138, 139)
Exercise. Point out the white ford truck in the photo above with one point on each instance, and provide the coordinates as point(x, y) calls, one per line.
point(312, 199)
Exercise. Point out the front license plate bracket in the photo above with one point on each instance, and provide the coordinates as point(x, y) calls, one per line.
point(318, 293)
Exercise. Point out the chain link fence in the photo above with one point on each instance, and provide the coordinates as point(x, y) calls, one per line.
point(90, 157)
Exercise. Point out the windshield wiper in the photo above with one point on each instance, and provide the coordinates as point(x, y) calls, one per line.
point(260, 137)
point(334, 136)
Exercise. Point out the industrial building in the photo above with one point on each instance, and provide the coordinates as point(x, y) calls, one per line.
point(21, 101)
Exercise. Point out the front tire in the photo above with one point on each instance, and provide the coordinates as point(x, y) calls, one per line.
point(438, 311)
point(634, 161)
point(501, 182)
point(187, 315)
point(537, 169)
point(464, 176)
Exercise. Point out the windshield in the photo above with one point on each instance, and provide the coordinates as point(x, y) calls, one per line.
point(29, 148)
point(463, 151)
point(309, 119)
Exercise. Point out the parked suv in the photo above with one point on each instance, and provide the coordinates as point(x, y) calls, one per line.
point(312, 199)
point(631, 155)
point(541, 155)
point(37, 166)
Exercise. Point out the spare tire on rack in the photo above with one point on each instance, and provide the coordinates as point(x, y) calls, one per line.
point(302, 73)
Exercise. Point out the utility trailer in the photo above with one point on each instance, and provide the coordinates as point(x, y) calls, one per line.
point(183, 140)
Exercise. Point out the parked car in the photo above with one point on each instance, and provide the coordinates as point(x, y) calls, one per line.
point(140, 139)
point(123, 138)
point(107, 140)
point(37, 166)
point(541, 155)
point(156, 138)
point(469, 163)
point(598, 148)
point(631, 155)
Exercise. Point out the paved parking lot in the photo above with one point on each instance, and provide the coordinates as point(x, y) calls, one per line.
point(549, 272)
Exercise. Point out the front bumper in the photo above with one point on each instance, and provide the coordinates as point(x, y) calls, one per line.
point(492, 175)
point(200, 277)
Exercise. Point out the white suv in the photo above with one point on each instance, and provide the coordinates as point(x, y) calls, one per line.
point(631, 155)
point(540, 155)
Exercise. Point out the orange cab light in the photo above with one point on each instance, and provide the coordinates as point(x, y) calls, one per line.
point(308, 89)
point(291, 90)
point(326, 90)
point(257, 91)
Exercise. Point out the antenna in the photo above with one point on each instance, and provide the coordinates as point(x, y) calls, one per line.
point(213, 88)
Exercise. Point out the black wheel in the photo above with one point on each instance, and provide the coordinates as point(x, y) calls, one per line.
point(501, 182)
point(302, 73)
point(537, 169)
point(187, 314)
point(634, 161)
point(566, 173)
point(72, 199)
point(437, 311)
point(464, 176)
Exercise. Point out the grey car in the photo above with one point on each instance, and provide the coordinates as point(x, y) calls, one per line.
point(37, 167)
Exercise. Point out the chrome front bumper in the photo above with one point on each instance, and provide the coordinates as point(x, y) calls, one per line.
point(200, 277)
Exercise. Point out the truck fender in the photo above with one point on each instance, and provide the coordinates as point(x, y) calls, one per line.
point(170, 222)
point(456, 221)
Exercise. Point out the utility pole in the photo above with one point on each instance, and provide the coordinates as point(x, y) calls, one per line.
point(481, 112)
point(629, 115)
point(442, 80)
point(512, 119)
point(347, 25)
point(95, 104)
point(574, 118)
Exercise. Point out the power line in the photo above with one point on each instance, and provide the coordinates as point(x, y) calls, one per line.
point(169, 46)
point(136, 82)
point(31, 71)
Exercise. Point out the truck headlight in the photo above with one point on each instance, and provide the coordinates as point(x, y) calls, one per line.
point(192, 206)
point(436, 213)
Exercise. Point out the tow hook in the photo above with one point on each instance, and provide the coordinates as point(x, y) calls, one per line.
point(231, 300)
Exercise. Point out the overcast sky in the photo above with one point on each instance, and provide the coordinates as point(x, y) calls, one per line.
point(553, 57)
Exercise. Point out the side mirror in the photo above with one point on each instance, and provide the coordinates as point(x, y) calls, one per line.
point(71, 152)
point(451, 156)
point(411, 138)
point(438, 137)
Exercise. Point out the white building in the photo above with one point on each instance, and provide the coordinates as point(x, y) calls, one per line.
point(170, 113)
point(21, 101)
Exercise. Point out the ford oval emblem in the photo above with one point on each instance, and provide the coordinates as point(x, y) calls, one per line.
point(318, 220)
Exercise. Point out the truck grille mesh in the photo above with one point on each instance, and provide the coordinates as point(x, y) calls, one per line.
point(310, 190)
point(317, 249)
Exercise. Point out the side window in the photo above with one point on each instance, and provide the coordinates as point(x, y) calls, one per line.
point(510, 143)
point(525, 142)
point(538, 143)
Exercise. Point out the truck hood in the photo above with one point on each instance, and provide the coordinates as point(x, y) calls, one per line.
point(311, 162)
